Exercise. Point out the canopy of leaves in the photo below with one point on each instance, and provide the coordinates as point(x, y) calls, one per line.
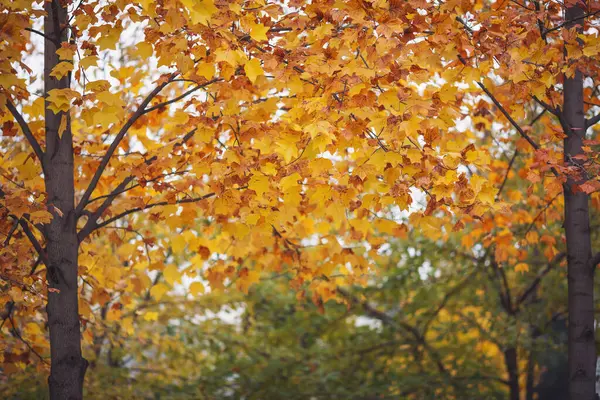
point(277, 159)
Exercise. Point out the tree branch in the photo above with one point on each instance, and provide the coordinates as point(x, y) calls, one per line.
point(503, 110)
point(115, 144)
point(42, 34)
point(82, 235)
point(18, 336)
point(26, 131)
point(516, 153)
point(553, 110)
point(181, 96)
point(33, 240)
point(592, 121)
point(508, 117)
point(91, 222)
point(584, 16)
point(594, 261)
point(386, 319)
point(531, 288)
point(139, 112)
point(510, 164)
point(11, 232)
point(455, 290)
point(8, 309)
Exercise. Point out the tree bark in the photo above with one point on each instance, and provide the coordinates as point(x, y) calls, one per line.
point(582, 351)
point(512, 367)
point(67, 368)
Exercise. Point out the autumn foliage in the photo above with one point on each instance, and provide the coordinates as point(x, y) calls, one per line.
point(157, 155)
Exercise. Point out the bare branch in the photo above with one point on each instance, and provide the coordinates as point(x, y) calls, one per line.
point(35, 265)
point(127, 189)
point(503, 111)
point(537, 117)
point(26, 131)
point(455, 290)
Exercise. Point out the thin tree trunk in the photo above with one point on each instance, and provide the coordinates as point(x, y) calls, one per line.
point(582, 351)
point(510, 359)
point(67, 365)
point(529, 380)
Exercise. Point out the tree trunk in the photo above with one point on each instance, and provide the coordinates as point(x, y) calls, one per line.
point(67, 365)
point(529, 379)
point(582, 351)
point(510, 359)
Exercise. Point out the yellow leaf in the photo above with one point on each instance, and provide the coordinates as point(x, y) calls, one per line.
point(106, 117)
point(206, 70)
point(158, 291)
point(151, 316)
point(260, 184)
point(60, 99)
point(108, 39)
point(258, 32)
point(144, 50)
point(65, 53)
point(200, 11)
point(196, 288)
point(253, 69)
point(41, 216)
point(389, 100)
point(110, 99)
point(522, 268)
point(532, 237)
point(178, 243)
point(385, 226)
point(98, 86)
point(171, 274)
point(414, 155)
point(448, 93)
point(184, 63)
point(61, 69)
point(246, 279)
point(89, 61)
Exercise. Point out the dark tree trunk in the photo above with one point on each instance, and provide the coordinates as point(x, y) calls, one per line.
point(67, 365)
point(582, 351)
point(510, 359)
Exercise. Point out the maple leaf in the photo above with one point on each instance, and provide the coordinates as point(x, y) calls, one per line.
point(253, 69)
point(258, 32)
